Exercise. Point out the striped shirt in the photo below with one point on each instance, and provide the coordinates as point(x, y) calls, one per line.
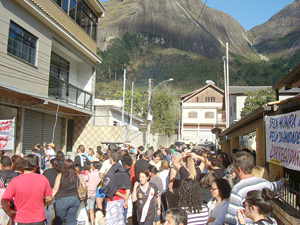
point(198, 218)
point(239, 192)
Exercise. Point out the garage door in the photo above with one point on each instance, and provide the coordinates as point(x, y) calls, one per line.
point(39, 127)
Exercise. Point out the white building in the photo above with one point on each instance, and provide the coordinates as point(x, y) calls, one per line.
point(201, 112)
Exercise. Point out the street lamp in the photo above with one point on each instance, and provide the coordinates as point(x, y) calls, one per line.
point(149, 116)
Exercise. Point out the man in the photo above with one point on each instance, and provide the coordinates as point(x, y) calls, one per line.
point(243, 163)
point(175, 216)
point(7, 174)
point(142, 164)
point(30, 192)
point(140, 149)
point(116, 187)
point(167, 154)
point(36, 152)
point(107, 163)
point(80, 158)
point(215, 167)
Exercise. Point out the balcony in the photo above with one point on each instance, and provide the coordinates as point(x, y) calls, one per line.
point(68, 93)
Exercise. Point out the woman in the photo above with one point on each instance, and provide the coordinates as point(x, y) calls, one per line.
point(91, 155)
point(257, 205)
point(55, 168)
point(17, 163)
point(144, 194)
point(188, 170)
point(205, 185)
point(261, 172)
point(218, 205)
point(190, 200)
point(155, 179)
point(164, 175)
point(65, 192)
point(156, 160)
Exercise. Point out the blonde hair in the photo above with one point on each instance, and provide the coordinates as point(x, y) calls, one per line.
point(164, 164)
point(261, 172)
point(191, 167)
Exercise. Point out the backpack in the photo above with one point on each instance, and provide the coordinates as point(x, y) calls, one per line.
point(7, 177)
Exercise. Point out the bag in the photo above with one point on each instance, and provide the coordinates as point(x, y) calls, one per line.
point(82, 217)
point(81, 192)
point(7, 176)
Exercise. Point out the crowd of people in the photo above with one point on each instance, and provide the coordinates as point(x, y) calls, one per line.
point(175, 185)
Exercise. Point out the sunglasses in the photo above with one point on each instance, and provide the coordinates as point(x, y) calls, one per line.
point(213, 188)
point(244, 205)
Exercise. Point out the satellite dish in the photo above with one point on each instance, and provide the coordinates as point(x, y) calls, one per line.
point(210, 82)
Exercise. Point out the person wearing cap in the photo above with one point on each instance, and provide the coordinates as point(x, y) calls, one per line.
point(50, 154)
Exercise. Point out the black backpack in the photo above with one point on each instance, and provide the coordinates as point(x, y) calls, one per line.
point(7, 175)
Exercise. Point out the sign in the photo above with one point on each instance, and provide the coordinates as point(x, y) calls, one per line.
point(283, 140)
point(7, 134)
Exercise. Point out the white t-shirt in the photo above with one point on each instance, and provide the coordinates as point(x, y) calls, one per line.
point(164, 175)
point(106, 166)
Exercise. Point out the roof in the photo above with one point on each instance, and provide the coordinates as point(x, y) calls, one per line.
point(234, 90)
point(193, 93)
point(126, 113)
point(290, 80)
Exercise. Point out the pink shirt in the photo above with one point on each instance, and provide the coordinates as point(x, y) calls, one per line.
point(28, 191)
point(92, 181)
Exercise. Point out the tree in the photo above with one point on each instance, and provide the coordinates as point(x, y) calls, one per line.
point(256, 99)
point(138, 101)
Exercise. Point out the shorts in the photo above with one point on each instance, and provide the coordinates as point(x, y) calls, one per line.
point(90, 203)
point(100, 193)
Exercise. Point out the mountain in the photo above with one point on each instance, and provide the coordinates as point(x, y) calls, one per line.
point(174, 23)
point(280, 35)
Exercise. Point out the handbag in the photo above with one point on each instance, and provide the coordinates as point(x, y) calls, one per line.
point(81, 192)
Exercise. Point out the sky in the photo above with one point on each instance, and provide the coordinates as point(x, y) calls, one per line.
point(249, 13)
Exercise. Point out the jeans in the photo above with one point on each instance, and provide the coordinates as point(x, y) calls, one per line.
point(66, 208)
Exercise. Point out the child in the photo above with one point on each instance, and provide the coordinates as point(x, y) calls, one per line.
point(92, 180)
point(100, 196)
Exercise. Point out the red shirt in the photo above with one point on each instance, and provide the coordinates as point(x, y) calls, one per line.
point(28, 191)
point(116, 197)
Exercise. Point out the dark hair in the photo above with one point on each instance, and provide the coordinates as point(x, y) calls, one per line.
point(245, 161)
point(224, 156)
point(146, 173)
point(17, 162)
point(5, 161)
point(224, 188)
point(126, 159)
point(141, 148)
point(105, 156)
point(87, 166)
point(190, 196)
point(68, 170)
point(115, 156)
point(37, 145)
point(208, 179)
point(153, 169)
point(96, 164)
point(60, 155)
point(178, 215)
point(234, 150)
point(112, 147)
point(226, 163)
point(99, 150)
point(155, 154)
point(261, 199)
point(30, 162)
point(81, 148)
point(57, 164)
point(214, 162)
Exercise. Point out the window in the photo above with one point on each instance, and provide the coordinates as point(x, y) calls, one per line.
point(197, 99)
point(79, 11)
point(21, 43)
point(193, 115)
point(209, 115)
point(210, 98)
point(59, 76)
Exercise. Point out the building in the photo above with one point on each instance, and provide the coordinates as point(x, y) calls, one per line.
point(285, 145)
point(47, 69)
point(201, 112)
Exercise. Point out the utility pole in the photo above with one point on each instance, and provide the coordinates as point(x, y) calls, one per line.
point(149, 116)
point(227, 87)
point(131, 106)
point(123, 103)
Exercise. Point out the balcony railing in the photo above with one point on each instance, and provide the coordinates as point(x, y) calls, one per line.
point(68, 93)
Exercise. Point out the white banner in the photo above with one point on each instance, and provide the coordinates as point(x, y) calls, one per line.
point(283, 140)
point(7, 134)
